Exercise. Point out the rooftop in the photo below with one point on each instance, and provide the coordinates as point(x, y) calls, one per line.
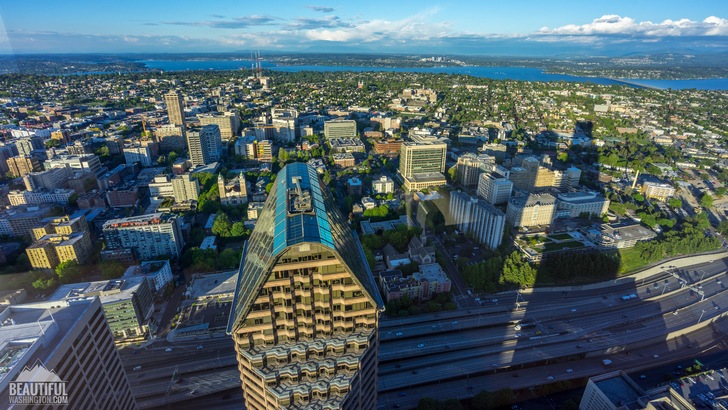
point(109, 291)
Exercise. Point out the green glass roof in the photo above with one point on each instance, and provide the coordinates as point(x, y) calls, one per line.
point(313, 219)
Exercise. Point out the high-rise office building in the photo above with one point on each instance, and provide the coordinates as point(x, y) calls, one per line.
point(205, 145)
point(479, 218)
point(494, 188)
point(306, 308)
point(421, 158)
point(185, 188)
point(175, 109)
point(150, 236)
point(71, 339)
point(422, 164)
point(340, 129)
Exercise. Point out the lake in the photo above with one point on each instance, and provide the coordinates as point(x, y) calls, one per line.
point(496, 73)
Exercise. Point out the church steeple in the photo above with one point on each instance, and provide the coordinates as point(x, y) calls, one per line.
point(221, 186)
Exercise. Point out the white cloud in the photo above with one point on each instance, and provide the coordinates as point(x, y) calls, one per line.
point(415, 28)
point(612, 24)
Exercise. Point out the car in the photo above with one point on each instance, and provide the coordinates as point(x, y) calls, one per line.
point(550, 378)
point(674, 313)
point(569, 370)
point(454, 322)
point(137, 368)
point(421, 345)
point(398, 334)
point(655, 356)
point(642, 376)
point(573, 310)
point(200, 347)
point(169, 349)
point(402, 394)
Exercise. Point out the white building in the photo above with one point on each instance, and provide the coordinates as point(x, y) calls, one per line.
point(56, 196)
point(383, 185)
point(205, 145)
point(284, 122)
point(161, 187)
point(138, 154)
point(185, 188)
point(479, 218)
point(494, 188)
point(574, 204)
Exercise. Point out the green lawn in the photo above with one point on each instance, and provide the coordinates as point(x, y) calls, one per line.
point(630, 261)
point(552, 246)
point(560, 236)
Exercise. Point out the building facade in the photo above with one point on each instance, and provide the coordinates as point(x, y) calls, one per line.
point(527, 210)
point(150, 236)
point(494, 188)
point(306, 308)
point(21, 166)
point(340, 129)
point(576, 204)
point(205, 145)
point(657, 191)
point(383, 185)
point(234, 192)
point(479, 218)
point(228, 122)
point(470, 166)
point(185, 188)
point(74, 341)
point(175, 109)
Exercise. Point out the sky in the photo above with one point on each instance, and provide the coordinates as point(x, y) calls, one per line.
point(483, 27)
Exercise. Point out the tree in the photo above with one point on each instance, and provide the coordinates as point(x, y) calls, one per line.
point(222, 225)
point(674, 203)
point(706, 201)
point(238, 230)
point(111, 269)
point(69, 272)
point(562, 156)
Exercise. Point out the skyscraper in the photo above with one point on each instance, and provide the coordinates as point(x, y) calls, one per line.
point(73, 340)
point(205, 145)
point(175, 109)
point(306, 308)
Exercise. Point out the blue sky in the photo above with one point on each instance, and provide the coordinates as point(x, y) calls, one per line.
point(470, 27)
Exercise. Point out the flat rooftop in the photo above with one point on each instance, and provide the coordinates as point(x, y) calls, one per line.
point(620, 390)
point(218, 284)
point(109, 291)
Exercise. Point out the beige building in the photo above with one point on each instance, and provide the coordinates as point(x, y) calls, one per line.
point(306, 308)
point(21, 166)
point(657, 191)
point(175, 109)
point(185, 188)
point(228, 122)
point(205, 145)
point(234, 192)
point(470, 166)
point(59, 240)
point(420, 164)
point(526, 210)
point(532, 175)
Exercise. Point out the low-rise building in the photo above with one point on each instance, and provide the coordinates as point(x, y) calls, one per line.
point(344, 160)
point(383, 185)
point(57, 196)
point(20, 220)
point(619, 236)
point(433, 279)
point(346, 145)
point(354, 186)
point(576, 204)
point(424, 180)
point(128, 304)
point(661, 192)
point(158, 273)
point(150, 236)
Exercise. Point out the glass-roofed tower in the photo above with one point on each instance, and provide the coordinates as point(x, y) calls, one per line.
point(306, 308)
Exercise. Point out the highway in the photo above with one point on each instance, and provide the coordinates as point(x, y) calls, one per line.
point(471, 349)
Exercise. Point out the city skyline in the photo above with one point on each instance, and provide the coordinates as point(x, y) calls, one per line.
point(467, 28)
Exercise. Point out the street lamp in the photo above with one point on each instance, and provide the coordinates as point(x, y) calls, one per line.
point(701, 316)
point(664, 288)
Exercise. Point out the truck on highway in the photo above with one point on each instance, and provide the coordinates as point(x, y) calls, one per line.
point(606, 362)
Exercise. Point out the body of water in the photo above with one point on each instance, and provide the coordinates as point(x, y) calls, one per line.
point(496, 73)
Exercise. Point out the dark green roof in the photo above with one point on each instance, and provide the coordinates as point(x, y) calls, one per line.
point(280, 226)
